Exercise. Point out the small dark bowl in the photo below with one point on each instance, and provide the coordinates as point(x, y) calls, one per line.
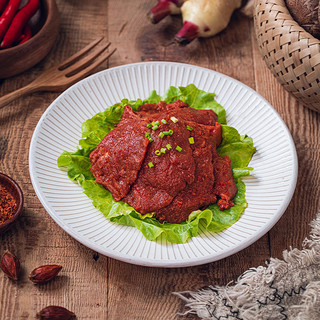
point(16, 192)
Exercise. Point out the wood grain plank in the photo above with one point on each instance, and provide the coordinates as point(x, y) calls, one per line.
point(36, 239)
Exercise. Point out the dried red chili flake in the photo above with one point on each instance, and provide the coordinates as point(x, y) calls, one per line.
point(7, 204)
point(179, 203)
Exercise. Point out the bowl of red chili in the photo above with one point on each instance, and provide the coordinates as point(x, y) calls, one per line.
point(30, 35)
point(11, 202)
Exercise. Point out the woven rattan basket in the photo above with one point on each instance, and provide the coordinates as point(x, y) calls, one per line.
point(291, 53)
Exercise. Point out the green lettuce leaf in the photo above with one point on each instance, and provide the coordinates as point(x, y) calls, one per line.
point(239, 148)
point(196, 98)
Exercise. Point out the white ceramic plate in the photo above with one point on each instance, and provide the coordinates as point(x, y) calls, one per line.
point(269, 188)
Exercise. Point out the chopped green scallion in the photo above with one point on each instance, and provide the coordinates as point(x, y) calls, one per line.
point(147, 134)
point(170, 132)
point(161, 135)
point(164, 121)
point(157, 123)
point(163, 150)
point(150, 139)
point(157, 152)
point(178, 148)
point(191, 140)
point(155, 127)
point(168, 146)
point(174, 119)
point(150, 164)
point(189, 128)
point(149, 125)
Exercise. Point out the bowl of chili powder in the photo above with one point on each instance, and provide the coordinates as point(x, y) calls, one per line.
point(11, 202)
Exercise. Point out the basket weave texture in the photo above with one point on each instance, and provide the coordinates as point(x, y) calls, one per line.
point(291, 53)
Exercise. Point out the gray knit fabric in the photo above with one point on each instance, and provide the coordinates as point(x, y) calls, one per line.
point(284, 289)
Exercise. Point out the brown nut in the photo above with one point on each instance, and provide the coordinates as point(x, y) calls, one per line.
point(55, 313)
point(10, 265)
point(44, 274)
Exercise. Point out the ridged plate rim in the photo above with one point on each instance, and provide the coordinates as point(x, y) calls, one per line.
point(185, 261)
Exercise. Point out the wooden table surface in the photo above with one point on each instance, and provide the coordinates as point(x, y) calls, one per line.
point(98, 287)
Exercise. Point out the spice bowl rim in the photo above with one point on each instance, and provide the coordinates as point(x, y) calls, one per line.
point(20, 199)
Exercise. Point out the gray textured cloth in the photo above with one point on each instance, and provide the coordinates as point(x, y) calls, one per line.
point(284, 289)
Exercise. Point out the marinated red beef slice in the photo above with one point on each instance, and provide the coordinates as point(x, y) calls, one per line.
point(200, 192)
point(162, 106)
point(179, 110)
point(157, 186)
point(179, 182)
point(116, 161)
point(225, 187)
point(145, 198)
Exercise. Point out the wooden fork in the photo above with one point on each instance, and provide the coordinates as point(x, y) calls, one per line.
point(59, 78)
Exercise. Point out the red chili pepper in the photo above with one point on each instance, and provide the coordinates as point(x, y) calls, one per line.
point(19, 22)
point(3, 4)
point(26, 34)
point(22, 36)
point(8, 16)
